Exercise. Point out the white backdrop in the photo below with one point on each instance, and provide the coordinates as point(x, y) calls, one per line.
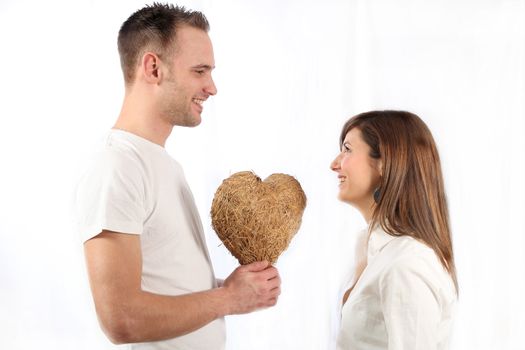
point(289, 73)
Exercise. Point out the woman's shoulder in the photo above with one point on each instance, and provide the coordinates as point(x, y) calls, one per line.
point(399, 247)
point(411, 258)
point(409, 246)
point(409, 252)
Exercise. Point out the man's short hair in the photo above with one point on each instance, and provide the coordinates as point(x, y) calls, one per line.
point(153, 28)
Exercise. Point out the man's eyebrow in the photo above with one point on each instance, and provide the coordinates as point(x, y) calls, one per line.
point(203, 66)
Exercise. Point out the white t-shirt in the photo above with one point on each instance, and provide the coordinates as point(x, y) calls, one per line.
point(135, 187)
point(404, 300)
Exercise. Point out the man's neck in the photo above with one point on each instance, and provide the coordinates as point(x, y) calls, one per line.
point(143, 120)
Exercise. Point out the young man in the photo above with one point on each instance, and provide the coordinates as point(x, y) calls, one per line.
point(148, 265)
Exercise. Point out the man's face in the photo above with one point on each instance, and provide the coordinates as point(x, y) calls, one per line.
point(188, 83)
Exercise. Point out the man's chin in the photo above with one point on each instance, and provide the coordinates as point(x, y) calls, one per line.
point(189, 122)
point(194, 122)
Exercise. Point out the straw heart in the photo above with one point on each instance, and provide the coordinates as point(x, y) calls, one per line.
point(256, 219)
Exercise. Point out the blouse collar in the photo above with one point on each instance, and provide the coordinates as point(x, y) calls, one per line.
point(377, 241)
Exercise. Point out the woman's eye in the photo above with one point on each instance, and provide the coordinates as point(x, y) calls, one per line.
point(346, 148)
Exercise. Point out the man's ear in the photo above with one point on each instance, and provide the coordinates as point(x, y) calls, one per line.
point(150, 68)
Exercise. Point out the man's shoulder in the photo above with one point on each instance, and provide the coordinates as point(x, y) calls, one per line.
point(113, 160)
point(117, 150)
point(110, 158)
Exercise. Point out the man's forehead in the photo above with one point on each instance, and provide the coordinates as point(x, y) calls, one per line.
point(187, 35)
point(195, 45)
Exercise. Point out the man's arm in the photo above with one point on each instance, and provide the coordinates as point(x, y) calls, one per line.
point(127, 314)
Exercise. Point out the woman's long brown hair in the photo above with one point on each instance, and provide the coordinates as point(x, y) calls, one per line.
point(412, 198)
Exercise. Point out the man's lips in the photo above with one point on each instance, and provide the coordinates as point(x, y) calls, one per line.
point(198, 101)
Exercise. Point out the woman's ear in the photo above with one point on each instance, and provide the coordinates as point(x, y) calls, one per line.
point(379, 167)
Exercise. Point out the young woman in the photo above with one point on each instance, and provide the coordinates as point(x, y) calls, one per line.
point(406, 285)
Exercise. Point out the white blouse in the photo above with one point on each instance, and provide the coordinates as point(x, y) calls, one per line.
point(404, 299)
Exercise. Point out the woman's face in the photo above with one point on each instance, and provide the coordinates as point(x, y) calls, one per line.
point(358, 173)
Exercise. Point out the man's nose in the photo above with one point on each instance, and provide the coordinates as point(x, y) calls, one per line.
point(211, 88)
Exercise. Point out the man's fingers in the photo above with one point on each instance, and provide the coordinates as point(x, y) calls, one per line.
point(274, 286)
point(269, 273)
point(256, 266)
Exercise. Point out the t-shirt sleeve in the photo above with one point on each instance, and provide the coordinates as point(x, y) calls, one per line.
point(410, 306)
point(110, 196)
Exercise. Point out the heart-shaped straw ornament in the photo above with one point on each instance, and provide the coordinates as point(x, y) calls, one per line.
point(256, 219)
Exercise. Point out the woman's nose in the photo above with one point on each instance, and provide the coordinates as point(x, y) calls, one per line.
point(335, 165)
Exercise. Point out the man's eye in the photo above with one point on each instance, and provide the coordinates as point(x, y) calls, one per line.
point(200, 72)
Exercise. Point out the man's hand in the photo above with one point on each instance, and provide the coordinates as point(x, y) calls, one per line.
point(251, 287)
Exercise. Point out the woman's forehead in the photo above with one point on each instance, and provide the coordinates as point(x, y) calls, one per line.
point(353, 136)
